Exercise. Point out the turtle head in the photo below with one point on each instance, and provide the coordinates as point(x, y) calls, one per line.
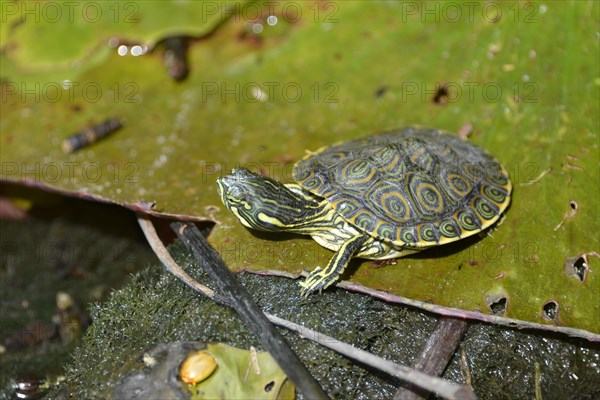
point(263, 203)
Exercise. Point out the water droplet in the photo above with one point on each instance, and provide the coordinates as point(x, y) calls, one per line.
point(137, 50)
point(272, 20)
point(257, 28)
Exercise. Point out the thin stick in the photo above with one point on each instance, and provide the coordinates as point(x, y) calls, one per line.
point(433, 384)
point(435, 354)
point(538, 380)
point(165, 258)
point(464, 366)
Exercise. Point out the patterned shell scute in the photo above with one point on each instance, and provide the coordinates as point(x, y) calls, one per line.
point(415, 186)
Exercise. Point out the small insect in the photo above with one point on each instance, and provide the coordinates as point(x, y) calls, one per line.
point(89, 136)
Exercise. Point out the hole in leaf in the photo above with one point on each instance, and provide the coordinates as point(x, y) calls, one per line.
point(551, 310)
point(577, 266)
point(580, 267)
point(441, 95)
point(381, 91)
point(499, 307)
point(497, 304)
point(574, 205)
point(269, 386)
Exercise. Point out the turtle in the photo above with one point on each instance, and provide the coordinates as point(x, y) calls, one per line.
point(378, 197)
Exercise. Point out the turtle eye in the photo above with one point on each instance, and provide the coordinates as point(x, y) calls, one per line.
point(237, 193)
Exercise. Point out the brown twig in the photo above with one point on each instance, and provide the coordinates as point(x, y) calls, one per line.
point(435, 354)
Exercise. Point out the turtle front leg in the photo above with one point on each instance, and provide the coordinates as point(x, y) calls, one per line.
point(319, 279)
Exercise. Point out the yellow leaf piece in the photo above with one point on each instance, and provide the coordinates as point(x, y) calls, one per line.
point(198, 366)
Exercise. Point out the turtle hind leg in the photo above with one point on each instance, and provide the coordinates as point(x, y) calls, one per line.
point(319, 279)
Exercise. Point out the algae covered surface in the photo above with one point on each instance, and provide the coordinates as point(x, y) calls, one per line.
point(262, 91)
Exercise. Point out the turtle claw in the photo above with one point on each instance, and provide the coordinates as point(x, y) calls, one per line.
point(305, 292)
point(316, 281)
point(320, 279)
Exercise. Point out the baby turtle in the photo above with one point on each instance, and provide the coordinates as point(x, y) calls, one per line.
point(379, 197)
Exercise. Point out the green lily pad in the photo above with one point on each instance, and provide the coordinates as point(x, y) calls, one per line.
point(524, 75)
